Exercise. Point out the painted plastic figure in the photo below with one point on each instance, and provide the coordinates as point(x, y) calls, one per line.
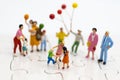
point(29, 24)
point(65, 58)
point(92, 43)
point(77, 41)
point(105, 45)
point(33, 40)
point(44, 40)
point(19, 35)
point(24, 47)
point(61, 35)
point(50, 56)
point(59, 51)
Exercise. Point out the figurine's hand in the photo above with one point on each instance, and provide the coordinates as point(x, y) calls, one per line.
point(108, 47)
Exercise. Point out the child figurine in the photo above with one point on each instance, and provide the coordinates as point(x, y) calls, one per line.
point(24, 48)
point(105, 45)
point(65, 58)
point(59, 51)
point(77, 41)
point(50, 55)
point(29, 24)
point(44, 40)
point(92, 43)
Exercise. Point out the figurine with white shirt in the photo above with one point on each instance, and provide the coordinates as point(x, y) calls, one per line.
point(78, 37)
point(44, 41)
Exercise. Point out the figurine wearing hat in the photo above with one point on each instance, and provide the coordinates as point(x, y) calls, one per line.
point(78, 37)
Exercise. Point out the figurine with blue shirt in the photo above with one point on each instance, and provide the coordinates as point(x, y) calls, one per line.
point(106, 44)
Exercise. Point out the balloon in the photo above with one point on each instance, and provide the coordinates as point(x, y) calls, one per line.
point(41, 26)
point(88, 43)
point(74, 5)
point(51, 16)
point(26, 16)
point(59, 11)
point(63, 6)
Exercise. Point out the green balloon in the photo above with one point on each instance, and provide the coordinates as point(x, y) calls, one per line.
point(41, 26)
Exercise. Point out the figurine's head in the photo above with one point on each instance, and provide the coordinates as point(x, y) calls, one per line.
point(31, 21)
point(94, 30)
point(26, 39)
point(34, 23)
point(44, 31)
point(106, 33)
point(61, 43)
point(79, 32)
point(61, 29)
point(64, 50)
point(21, 26)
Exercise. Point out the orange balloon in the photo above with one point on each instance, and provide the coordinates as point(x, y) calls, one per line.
point(26, 16)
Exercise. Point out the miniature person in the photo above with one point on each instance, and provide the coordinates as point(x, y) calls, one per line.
point(77, 41)
point(19, 35)
point(44, 40)
point(50, 55)
point(29, 24)
point(92, 41)
point(59, 51)
point(61, 35)
point(24, 47)
point(33, 40)
point(65, 58)
point(106, 44)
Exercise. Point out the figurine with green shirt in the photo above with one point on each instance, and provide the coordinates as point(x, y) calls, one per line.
point(50, 56)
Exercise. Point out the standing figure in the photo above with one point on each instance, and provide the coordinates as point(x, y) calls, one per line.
point(33, 40)
point(105, 45)
point(92, 43)
point(78, 37)
point(19, 35)
point(43, 40)
point(61, 35)
point(59, 51)
point(24, 47)
point(65, 58)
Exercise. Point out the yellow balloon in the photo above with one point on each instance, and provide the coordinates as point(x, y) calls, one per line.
point(88, 43)
point(74, 5)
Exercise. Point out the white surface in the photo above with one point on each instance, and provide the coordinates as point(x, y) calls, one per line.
point(103, 14)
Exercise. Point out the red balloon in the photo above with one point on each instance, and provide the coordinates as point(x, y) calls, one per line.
point(51, 16)
point(59, 11)
point(63, 6)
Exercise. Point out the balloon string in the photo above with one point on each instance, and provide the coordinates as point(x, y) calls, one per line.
point(68, 14)
point(62, 21)
point(71, 19)
point(64, 24)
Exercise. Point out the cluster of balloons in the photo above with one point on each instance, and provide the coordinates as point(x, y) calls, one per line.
point(63, 7)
